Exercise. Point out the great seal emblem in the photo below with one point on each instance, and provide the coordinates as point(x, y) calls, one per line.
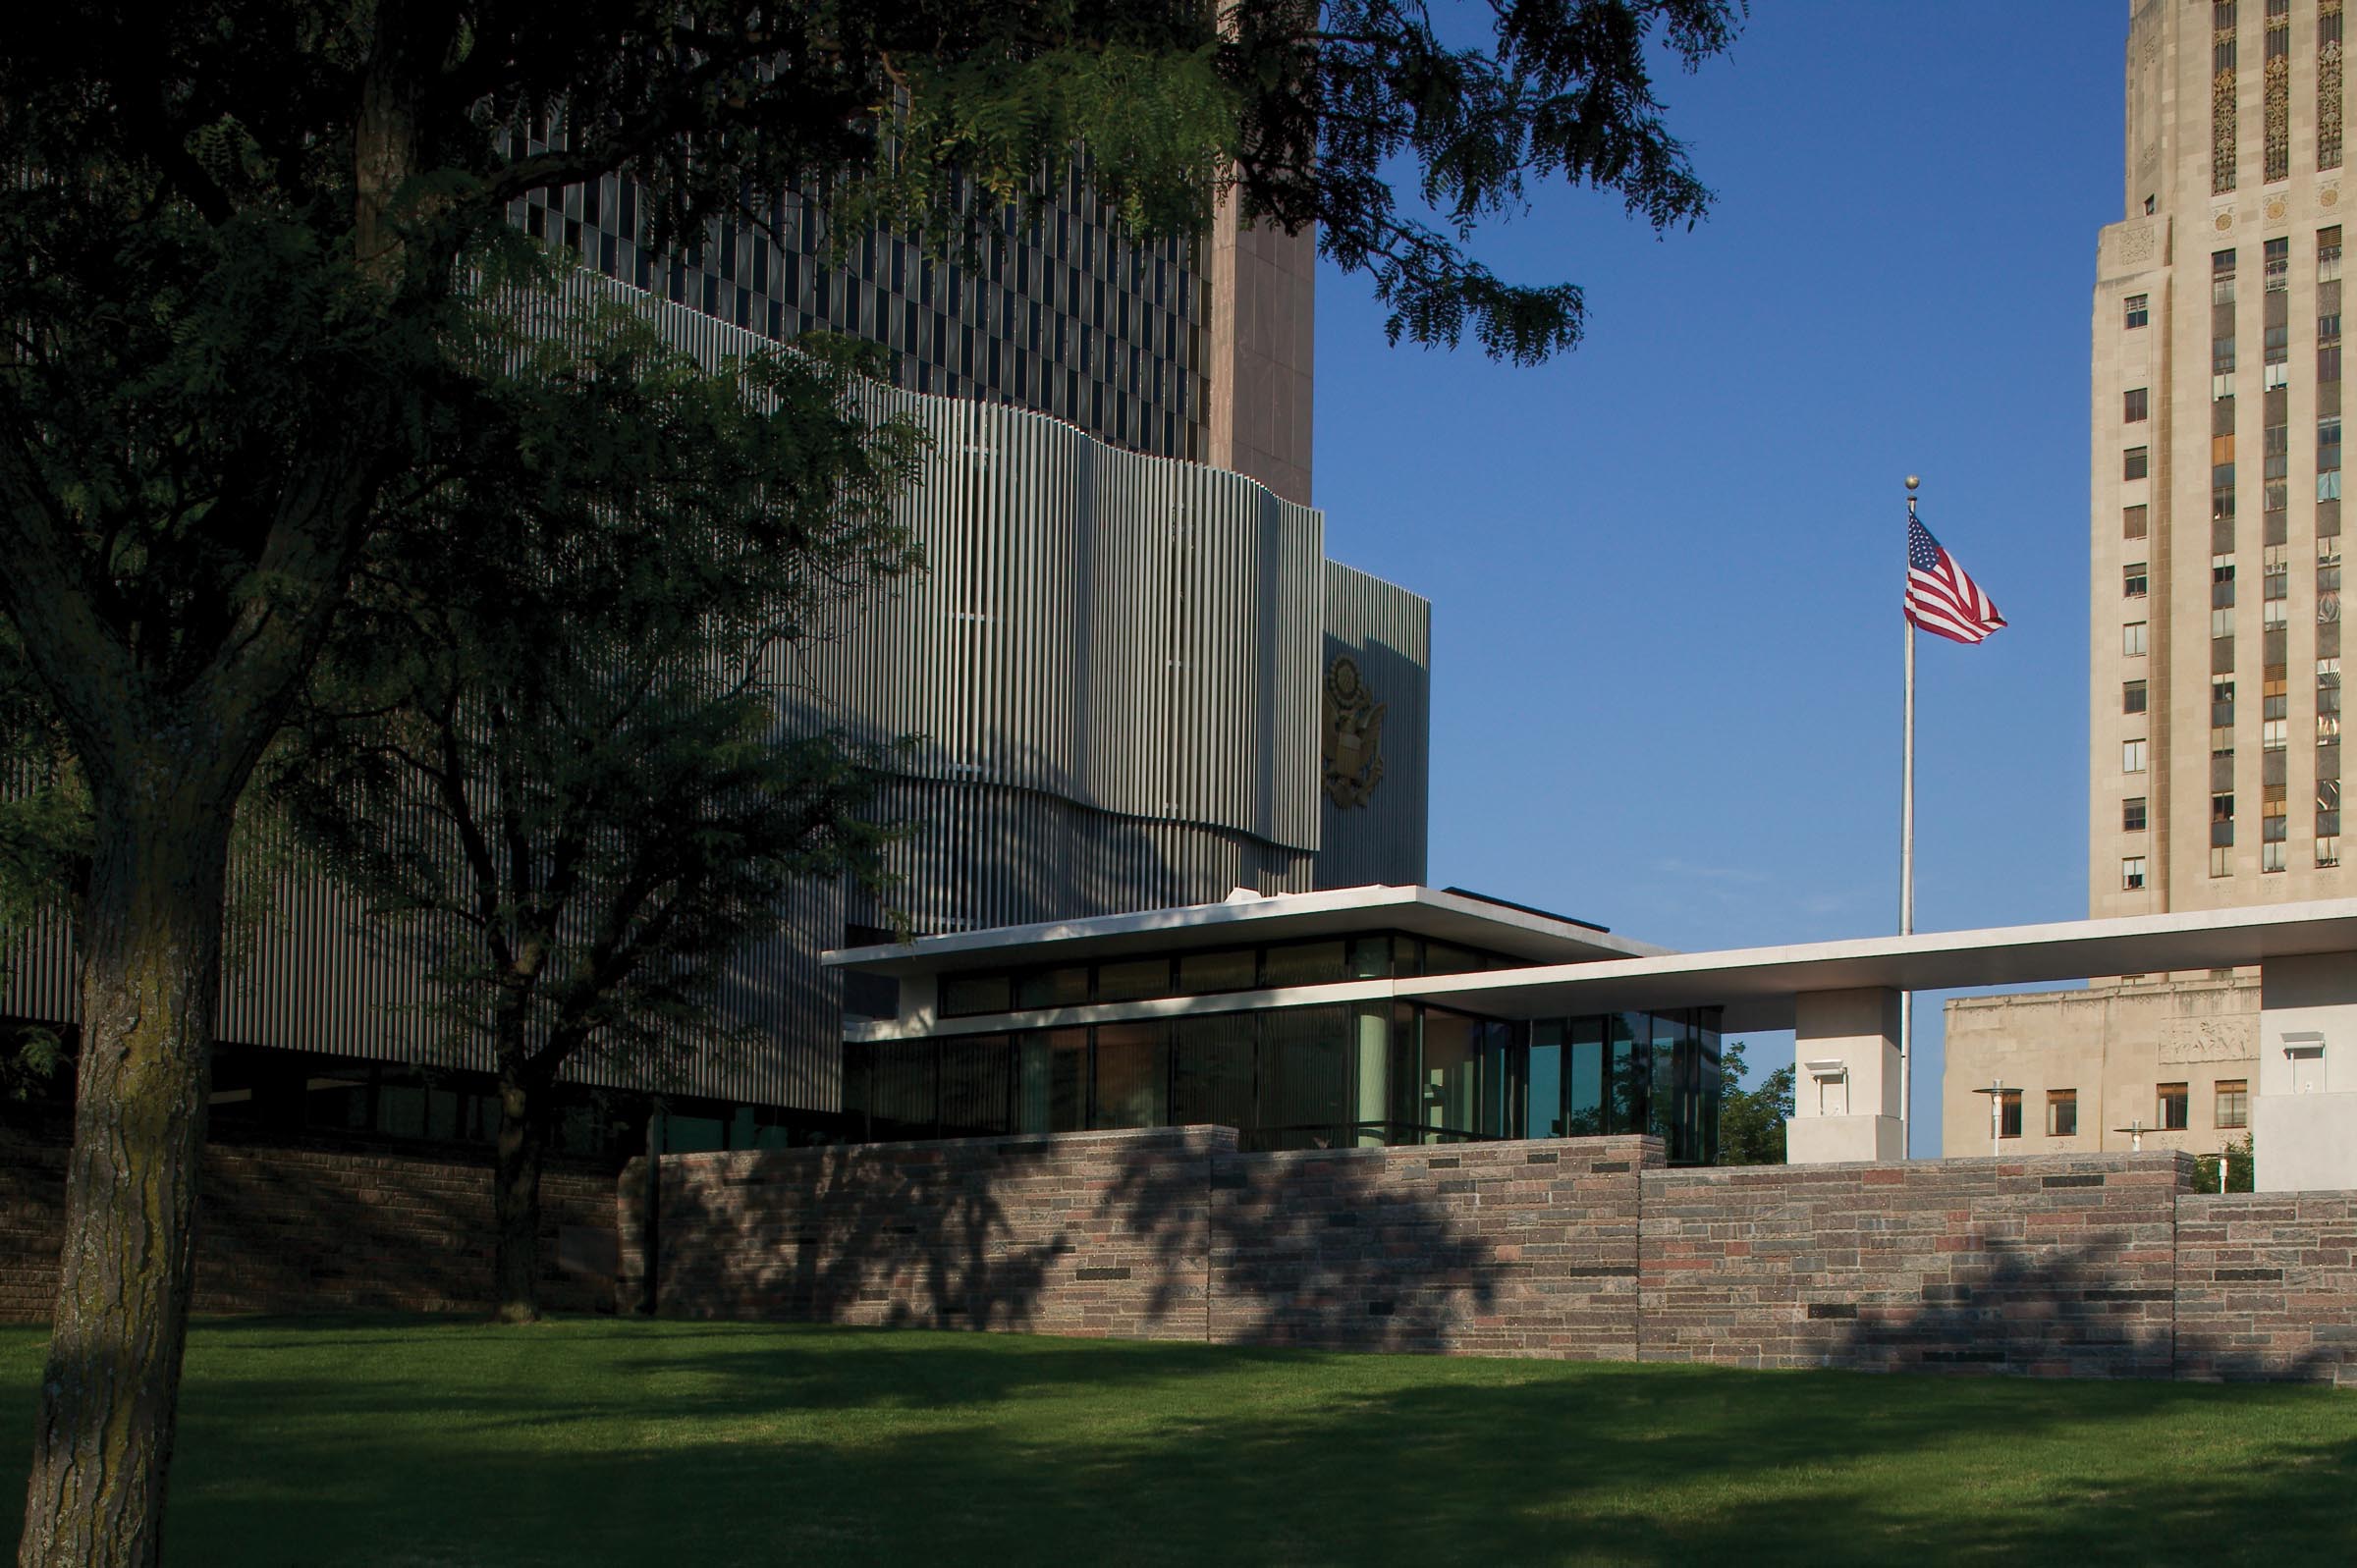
point(1353, 742)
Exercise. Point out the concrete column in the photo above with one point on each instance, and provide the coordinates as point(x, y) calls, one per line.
point(2304, 1106)
point(1845, 1078)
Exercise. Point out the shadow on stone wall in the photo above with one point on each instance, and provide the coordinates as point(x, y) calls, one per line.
point(318, 1226)
point(2059, 1312)
point(1332, 1249)
point(1163, 1235)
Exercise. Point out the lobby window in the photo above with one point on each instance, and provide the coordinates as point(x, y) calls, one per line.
point(2132, 522)
point(2132, 874)
point(2132, 697)
point(2137, 463)
point(2133, 580)
point(2233, 1103)
point(2136, 405)
point(2131, 639)
point(2008, 1114)
point(2133, 814)
point(2139, 310)
point(2131, 756)
point(2062, 1112)
point(2172, 1101)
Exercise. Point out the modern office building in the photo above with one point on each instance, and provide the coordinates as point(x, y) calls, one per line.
point(1132, 675)
point(1389, 1016)
point(2214, 756)
point(1196, 348)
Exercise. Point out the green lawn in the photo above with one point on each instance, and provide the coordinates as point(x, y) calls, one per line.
point(427, 1444)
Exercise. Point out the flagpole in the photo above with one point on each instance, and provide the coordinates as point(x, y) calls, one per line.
point(1906, 879)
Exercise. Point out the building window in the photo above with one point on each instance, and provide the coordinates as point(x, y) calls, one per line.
point(2138, 462)
point(2131, 697)
point(2131, 639)
point(2008, 1114)
point(2271, 856)
point(2221, 621)
point(2233, 1103)
point(2139, 310)
point(2133, 814)
point(2131, 756)
point(2136, 405)
point(2172, 1101)
point(2132, 874)
point(2132, 580)
point(2222, 862)
point(2062, 1112)
point(2132, 522)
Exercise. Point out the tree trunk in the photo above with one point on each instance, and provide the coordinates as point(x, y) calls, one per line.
point(151, 939)
point(516, 1195)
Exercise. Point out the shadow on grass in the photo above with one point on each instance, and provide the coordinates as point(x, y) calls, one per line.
point(605, 1442)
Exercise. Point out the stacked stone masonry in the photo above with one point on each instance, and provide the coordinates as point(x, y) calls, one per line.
point(2059, 1266)
point(2075, 1265)
point(2267, 1286)
point(326, 1228)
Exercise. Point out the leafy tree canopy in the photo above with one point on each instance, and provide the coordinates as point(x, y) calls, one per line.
point(1751, 1121)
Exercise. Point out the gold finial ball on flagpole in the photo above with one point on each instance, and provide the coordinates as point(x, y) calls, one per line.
point(1913, 481)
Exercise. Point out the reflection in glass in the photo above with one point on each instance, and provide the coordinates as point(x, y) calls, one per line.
point(1309, 1066)
point(1452, 1071)
point(1201, 973)
point(1133, 978)
point(1305, 963)
point(968, 994)
point(973, 1086)
point(1544, 1095)
point(1211, 1070)
point(900, 1089)
point(1053, 988)
point(1052, 1081)
point(1132, 1075)
point(1586, 1108)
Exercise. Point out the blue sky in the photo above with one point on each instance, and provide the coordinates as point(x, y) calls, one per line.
point(1666, 568)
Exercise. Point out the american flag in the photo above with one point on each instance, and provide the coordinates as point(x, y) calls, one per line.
point(1941, 598)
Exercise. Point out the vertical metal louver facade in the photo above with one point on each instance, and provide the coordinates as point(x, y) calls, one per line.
point(1111, 666)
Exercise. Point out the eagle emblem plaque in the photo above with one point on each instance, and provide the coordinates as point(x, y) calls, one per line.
point(1353, 742)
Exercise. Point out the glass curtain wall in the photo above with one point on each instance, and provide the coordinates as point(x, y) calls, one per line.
point(1338, 1076)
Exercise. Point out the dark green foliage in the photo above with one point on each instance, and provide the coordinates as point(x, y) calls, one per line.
point(547, 742)
point(1751, 1121)
point(246, 247)
point(2241, 1160)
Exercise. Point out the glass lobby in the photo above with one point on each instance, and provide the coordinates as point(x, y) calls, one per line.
point(1321, 1077)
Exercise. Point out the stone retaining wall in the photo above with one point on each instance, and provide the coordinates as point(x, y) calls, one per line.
point(326, 1227)
point(2058, 1267)
point(2070, 1265)
point(2267, 1285)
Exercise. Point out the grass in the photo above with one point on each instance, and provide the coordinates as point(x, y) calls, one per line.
point(425, 1444)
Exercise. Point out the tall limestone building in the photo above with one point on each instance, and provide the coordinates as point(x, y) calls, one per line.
point(2215, 509)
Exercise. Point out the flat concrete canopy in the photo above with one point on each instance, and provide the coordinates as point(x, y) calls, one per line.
point(1757, 985)
point(1427, 912)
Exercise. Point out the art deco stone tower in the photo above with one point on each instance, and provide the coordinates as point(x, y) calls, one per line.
point(2213, 767)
